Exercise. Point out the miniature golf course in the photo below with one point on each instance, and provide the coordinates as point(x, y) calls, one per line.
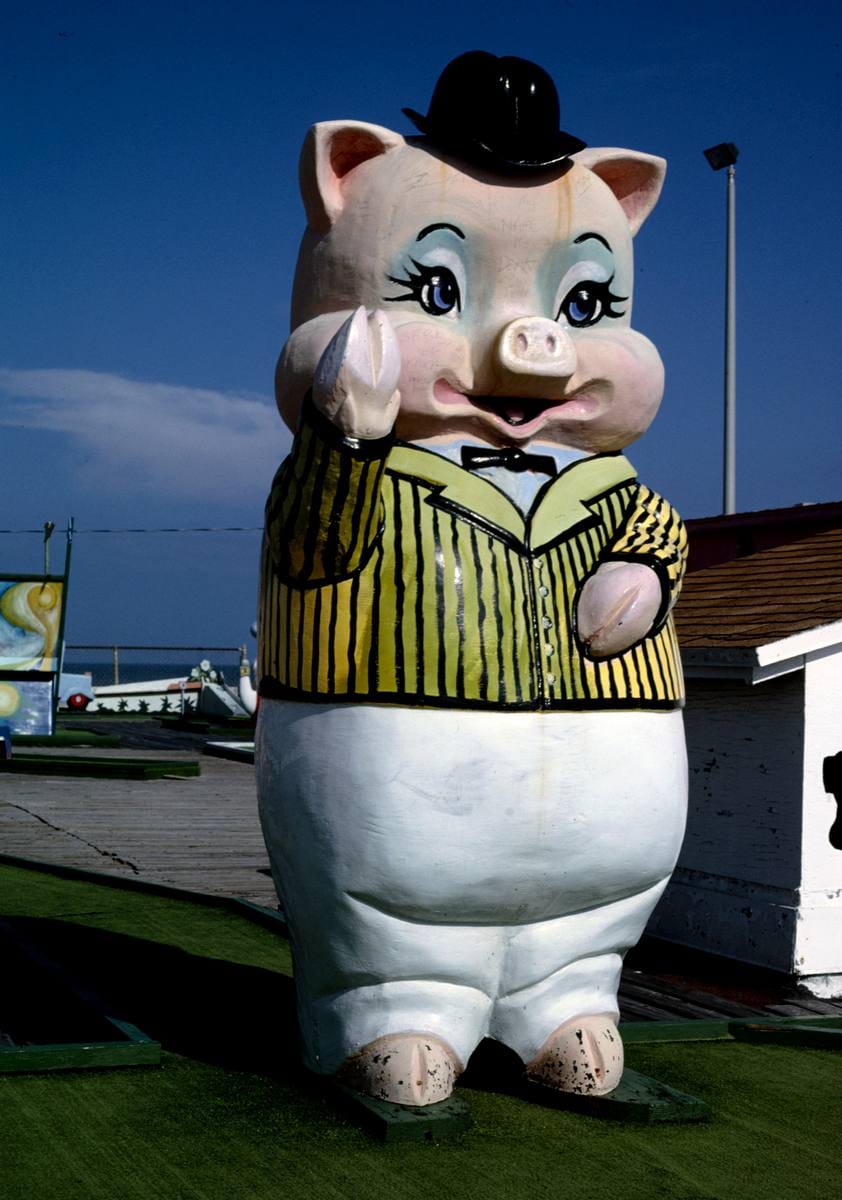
point(229, 1114)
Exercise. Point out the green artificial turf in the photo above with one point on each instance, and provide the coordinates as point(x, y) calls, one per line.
point(67, 737)
point(37, 897)
point(231, 1116)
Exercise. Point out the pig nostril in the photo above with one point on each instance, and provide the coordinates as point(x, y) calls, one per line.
point(551, 343)
point(522, 342)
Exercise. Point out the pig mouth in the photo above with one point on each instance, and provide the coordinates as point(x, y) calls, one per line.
point(514, 410)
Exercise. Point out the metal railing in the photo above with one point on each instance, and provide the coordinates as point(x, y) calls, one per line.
point(115, 651)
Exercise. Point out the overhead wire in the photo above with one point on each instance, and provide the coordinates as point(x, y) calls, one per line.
point(186, 529)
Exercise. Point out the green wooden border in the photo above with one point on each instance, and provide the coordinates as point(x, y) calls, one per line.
point(90, 766)
point(129, 1048)
point(231, 752)
point(824, 1033)
point(138, 1051)
point(727, 1029)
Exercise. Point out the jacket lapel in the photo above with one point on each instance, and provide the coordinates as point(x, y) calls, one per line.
point(459, 491)
point(562, 508)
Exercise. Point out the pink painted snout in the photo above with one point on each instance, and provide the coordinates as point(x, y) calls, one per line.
point(536, 347)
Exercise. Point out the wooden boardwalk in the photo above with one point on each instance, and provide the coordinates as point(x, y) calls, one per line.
point(203, 835)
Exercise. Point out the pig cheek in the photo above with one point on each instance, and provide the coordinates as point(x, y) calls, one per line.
point(430, 352)
point(627, 369)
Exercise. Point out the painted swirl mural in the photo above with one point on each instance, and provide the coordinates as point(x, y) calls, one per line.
point(30, 615)
point(30, 619)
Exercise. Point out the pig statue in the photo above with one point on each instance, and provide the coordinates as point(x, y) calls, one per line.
point(470, 756)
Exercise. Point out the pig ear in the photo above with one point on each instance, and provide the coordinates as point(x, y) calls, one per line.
point(331, 150)
point(634, 178)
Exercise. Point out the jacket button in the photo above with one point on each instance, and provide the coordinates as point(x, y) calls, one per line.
point(550, 679)
point(543, 591)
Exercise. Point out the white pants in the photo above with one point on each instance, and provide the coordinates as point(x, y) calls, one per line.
point(464, 873)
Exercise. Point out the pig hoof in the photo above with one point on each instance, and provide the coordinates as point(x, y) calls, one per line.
point(617, 607)
point(356, 379)
point(583, 1056)
point(406, 1068)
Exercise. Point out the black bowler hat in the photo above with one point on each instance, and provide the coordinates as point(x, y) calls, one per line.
point(498, 113)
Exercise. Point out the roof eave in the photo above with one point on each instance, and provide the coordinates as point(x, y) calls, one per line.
point(757, 664)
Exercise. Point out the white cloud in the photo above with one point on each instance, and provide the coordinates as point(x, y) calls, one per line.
point(137, 435)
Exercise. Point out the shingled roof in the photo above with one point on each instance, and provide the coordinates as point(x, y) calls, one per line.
point(720, 538)
point(764, 597)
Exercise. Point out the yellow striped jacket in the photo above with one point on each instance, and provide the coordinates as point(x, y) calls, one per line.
point(391, 575)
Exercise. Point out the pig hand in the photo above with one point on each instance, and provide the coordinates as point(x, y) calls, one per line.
point(355, 384)
point(617, 607)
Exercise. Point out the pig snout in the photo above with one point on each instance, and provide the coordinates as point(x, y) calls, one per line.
point(532, 348)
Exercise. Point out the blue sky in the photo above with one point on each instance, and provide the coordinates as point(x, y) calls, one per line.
point(150, 223)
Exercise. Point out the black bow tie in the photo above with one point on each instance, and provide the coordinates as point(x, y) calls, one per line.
point(476, 457)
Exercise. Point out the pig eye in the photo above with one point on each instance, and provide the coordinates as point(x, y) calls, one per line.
point(434, 288)
point(588, 302)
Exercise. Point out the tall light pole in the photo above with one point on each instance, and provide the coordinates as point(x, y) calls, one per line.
point(725, 155)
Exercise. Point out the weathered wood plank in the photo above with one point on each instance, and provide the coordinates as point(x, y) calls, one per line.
point(812, 1004)
point(673, 1003)
point(634, 1010)
point(713, 1004)
point(199, 834)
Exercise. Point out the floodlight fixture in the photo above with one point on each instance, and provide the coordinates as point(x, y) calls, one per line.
point(723, 155)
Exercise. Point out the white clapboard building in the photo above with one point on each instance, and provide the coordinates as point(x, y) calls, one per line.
point(760, 873)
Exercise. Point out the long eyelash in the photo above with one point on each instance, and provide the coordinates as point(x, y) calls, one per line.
point(609, 298)
point(414, 281)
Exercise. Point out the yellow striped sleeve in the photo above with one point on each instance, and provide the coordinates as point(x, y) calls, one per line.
point(324, 510)
point(654, 532)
